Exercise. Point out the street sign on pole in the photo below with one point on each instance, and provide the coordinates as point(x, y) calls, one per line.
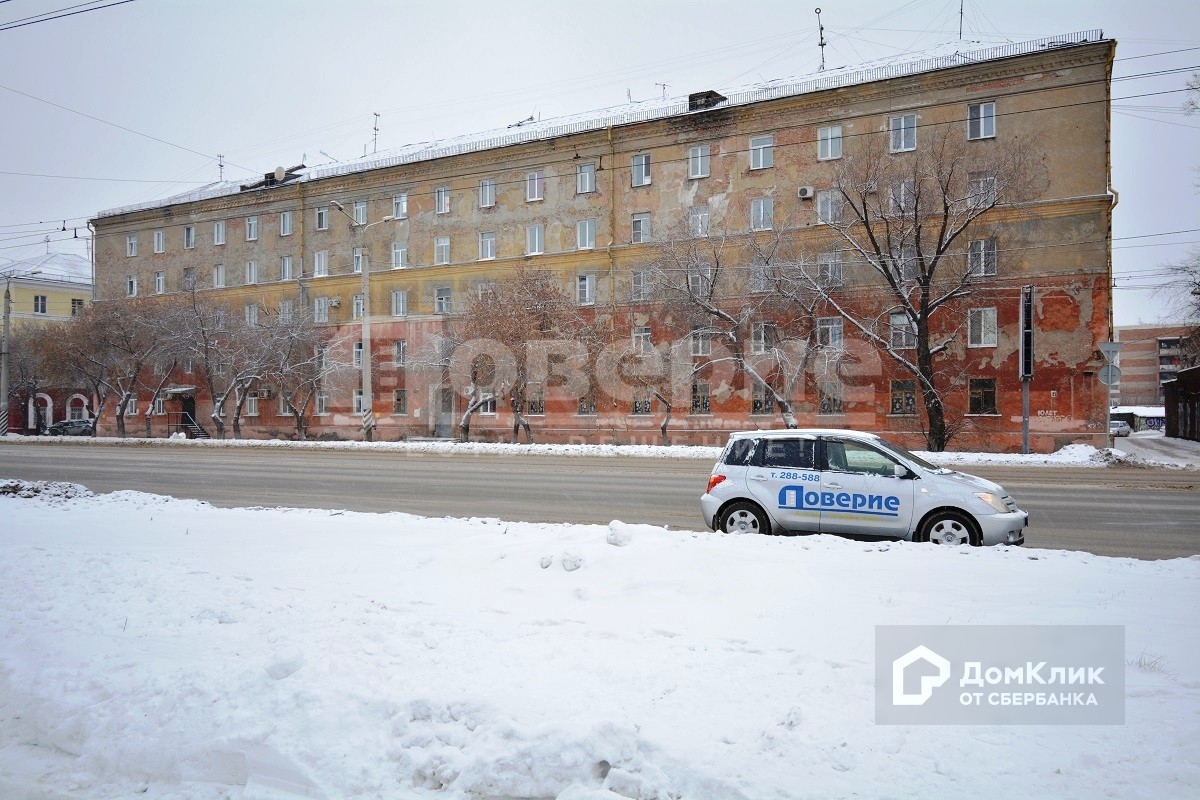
point(1110, 374)
point(1110, 349)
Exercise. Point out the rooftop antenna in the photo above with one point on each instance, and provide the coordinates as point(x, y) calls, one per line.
point(376, 145)
point(664, 88)
point(628, 94)
point(821, 43)
point(960, 16)
point(220, 167)
point(331, 158)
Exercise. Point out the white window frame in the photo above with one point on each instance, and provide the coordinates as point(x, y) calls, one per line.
point(219, 232)
point(189, 237)
point(131, 285)
point(360, 212)
point(640, 227)
point(829, 206)
point(443, 300)
point(321, 407)
point(399, 255)
point(218, 276)
point(640, 174)
point(322, 213)
point(982, 258)
point(639, 286)
point(829, 268)
point(399, 352)
point(321, 309)
point(399, 302)
point(981, 189)
point(400, 402)
point(285, 268)
point(441, 200)
point(487, 193)
point(699, 161)
point(903, 333)
point(830, 332)
point(762, 151)
point(131, 245)
point(762, 337)
point(585, 178)
point(487, 246)
point(252, 228)
point(251, 314)
point(585, 289)
point(285, 223)
point(535, 186)
point(39, 301)
point(762, 277)
point(762, 213)
point(160, 241)
point(359, 255)
point(981, 121)
point(902, 133)
point(829, 143)
point(641, 340)
point(701, 341)
point(159, 406)
point(357, 308)
point(251, 405)
point(585, 234)
point(400, 205)
point(320, 263)
point(535, 240)
point(981, 327)
point(160, 283)
point(286, 309)
point(441, 250)
point(356, 357)
point(698, 221)
point(251, 273)
point(357, 402)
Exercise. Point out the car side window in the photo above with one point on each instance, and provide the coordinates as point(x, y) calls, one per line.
point(856, 457)
point(739, 451)
point(789, 453)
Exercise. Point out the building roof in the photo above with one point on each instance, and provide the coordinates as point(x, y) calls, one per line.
point(944, 56)
point(65, 267)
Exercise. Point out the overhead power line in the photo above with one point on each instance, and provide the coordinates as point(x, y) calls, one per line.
point(50, 16)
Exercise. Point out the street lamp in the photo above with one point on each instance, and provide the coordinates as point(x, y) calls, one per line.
point(8, 276)
point(368, 412)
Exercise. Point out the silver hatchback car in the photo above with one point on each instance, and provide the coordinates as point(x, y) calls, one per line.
point(854, 483)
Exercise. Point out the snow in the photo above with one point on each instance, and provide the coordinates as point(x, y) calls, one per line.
point(155, 647)
point(1141, 411)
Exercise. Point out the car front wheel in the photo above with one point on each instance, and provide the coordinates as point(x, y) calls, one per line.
point(948, 527)
point(743, 517)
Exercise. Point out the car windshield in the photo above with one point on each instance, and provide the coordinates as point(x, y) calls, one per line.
point(900, 451)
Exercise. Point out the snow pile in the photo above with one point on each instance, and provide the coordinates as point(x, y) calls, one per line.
point(157, 648)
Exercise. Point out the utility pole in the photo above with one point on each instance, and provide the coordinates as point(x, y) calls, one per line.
point(4, 349)
point(1026, 365)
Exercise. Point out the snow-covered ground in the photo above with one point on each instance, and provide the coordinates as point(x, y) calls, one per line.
point(1154, 447)
point(153, 647)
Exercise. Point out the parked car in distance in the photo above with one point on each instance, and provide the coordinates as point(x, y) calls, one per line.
point(1119, 427)
point(71, 427)
point(852, 483)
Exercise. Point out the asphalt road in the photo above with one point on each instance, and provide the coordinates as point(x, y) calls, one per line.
point(1141, 513)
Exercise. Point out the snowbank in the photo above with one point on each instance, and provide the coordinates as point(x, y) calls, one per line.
point(152, 647)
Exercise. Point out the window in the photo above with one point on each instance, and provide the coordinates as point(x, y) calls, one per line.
point(131, 407)
point(285, 268)
point(321, 309)
point(641, 170)
point(829, 397)
point(441, 200)
point(356, 358)
point(829, 332)
point(908, 263)
point(981, 258)
point(189, 365)
point(981, 327)
point(829, 142)
point(400, 401)
point(39, 303)
point(400, 205)
point(981, 190)
point(399, 302)
point(251, 272)
point(399, 255)
point(701, 399)
point(904, 397)
point(189, 278)
point(251, 229)
point(286, 310)
point(535, 185)
point(359, 406)
point(585, 289)
point(903, 332)
point(160, 406)
point(360, 212)
point(829, 268)
point(285, 223)
point(699, 280)
point(789, 453)
point(585, 234)
point(585, 178)
point(762, 151)
point(643, 402)
point(487, 193)
point(488, 406)
point(322, 218)
point(160, 241)
point(535, 399)
point(641, 228)
point(533, 240)
point(698, 220)
point(219, 232)
point(981, 120)
point(762, 212)
point(131, 285)
point(698, 161)
point(903, 200)
point(642, 343)
point(358, 307)
point(399, 352)
point(252, 405)
point(218, 276)
point(760, 400)
point(441, 250)
point(76, 307)
point(321, 263)
point(441, 300)
point(131, 245)
point(762, 337)
point(360, 260)
point(487, 245)
point(701, 342)
point(829, 206)
point(981, 396)
point(587, 404)
point(762, 277)
point(160, 282)
point(322, 403)
point(189, 237)
point(903, 132)
point(640, 286)
point(251, 312)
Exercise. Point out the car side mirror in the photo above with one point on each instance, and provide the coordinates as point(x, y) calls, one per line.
point(900, 471)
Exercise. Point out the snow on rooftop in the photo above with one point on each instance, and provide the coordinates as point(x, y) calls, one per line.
point(943, 56)
point(70, 267)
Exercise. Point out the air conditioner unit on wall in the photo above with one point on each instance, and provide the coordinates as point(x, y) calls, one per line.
point(335, 302)
point(805, 192)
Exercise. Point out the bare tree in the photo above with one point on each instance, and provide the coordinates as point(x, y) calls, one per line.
point(907, 223)
point(298, 362)
point(30, 365)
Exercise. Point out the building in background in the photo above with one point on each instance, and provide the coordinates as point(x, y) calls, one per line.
point(596, 199)
point(1150, 356)
point(48, 288)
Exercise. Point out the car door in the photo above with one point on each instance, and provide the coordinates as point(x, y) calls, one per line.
point(860, 493)
point(782, 473)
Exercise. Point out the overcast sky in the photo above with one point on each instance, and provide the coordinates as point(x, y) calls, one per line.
point(275, 82)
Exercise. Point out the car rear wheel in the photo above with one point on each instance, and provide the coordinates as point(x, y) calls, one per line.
point(948, 527)
point(743, 517)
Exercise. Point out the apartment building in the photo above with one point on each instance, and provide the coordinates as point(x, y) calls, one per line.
point(597, 200)
point(1150, 356)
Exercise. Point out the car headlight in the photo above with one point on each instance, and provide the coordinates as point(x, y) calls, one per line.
point(994, 501)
